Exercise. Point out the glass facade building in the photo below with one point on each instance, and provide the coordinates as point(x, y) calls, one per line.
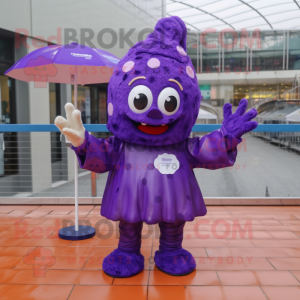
point(244, 51)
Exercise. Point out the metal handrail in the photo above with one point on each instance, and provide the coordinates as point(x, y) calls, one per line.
point(103, 128)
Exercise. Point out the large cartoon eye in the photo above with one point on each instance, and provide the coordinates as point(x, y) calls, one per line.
point(140, 99)
point(168, 101)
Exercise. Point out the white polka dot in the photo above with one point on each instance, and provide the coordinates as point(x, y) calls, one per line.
point(128, 66)
point(190, 72)
point(110, 109)
point(181, 50)
point(153, 63)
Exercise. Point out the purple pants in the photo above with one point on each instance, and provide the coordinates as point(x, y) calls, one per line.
point(170, 238)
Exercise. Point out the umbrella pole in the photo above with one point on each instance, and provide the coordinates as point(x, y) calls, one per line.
point(75, 160)
point(82, 232)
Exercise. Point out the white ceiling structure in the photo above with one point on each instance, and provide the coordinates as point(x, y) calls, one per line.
point(236, 14)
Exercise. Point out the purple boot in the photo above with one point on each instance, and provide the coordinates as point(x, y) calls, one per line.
point(127, 260)
point(171, 258)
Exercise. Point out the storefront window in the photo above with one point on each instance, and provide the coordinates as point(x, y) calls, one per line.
point(255, 93)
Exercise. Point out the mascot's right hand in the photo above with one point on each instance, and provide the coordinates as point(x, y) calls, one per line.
point(71, 127)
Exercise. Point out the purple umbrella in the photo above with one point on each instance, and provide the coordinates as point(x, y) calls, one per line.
point(75, 64)
point(62, 64)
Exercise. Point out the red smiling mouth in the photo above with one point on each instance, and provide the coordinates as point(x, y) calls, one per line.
point(153, 129)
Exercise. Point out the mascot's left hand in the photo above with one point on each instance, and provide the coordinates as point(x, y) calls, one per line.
point(239, 123)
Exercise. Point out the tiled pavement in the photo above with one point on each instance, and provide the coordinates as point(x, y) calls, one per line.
point(241, 253)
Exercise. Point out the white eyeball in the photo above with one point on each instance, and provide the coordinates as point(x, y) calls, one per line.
point(168, 101)
point(140, 99)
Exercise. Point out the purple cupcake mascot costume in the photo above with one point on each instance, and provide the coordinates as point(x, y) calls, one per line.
point(153, 103)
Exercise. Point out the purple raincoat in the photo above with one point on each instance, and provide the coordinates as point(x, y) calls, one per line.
point(153, 103)
point(136, 190)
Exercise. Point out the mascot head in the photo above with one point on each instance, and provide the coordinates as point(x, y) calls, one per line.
point(153, 97)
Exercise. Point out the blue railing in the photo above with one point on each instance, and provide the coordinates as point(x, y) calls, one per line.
point(103, 128)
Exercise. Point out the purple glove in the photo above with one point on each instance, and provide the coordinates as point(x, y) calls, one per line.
point(237, 124)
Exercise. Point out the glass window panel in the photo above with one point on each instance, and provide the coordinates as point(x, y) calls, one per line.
point(102, 107)
point(270, 55)
point(99, 106)
point(210, 54)
point(83, 103)
point(56, 151)
point(4, 100)
point(294, 50)
point(235, 56)
point(191, 46)
point(53, 102)
point(9, 156)
point(6, 50)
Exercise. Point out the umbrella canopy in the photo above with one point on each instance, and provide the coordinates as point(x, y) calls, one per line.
point(76, 64)
point(59, 64)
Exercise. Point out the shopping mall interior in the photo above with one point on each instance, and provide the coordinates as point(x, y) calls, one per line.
point(248, 244)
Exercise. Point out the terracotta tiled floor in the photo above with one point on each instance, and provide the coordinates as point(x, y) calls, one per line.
point(241, 253)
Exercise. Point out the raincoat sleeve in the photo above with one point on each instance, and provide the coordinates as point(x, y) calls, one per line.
point(212, 151)
point(98, 155)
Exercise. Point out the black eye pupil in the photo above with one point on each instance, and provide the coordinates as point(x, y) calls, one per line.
point(170, 104)
point(140, 101)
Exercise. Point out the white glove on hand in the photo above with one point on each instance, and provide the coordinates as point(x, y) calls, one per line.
point(72, 127)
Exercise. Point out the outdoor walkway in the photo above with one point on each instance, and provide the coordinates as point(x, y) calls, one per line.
point(260, 262)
